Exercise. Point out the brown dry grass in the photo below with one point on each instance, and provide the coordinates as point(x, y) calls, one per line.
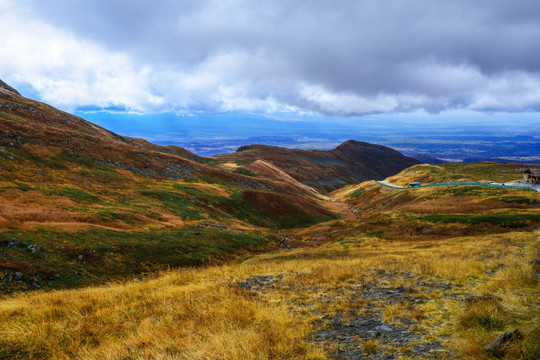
point(203, 314)
point(189, 315)
point(479, 323)
point(43, 151)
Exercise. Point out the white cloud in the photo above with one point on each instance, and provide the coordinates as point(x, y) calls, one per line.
point(346, 103)
point(214, 56)
point(70, 72)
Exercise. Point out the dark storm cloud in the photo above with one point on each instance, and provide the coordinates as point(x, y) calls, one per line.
point(338, 57)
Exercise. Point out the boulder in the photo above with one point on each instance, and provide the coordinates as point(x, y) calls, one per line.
point(499, 346)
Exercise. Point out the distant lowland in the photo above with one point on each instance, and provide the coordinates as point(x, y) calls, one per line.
point(499, 139)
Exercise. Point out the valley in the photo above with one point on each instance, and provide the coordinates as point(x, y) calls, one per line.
point(116, 248)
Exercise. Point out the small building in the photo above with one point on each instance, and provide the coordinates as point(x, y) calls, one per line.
point(531, 176)
point(415, 184)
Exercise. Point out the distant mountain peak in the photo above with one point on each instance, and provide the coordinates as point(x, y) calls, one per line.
point(5, 86)
point(325, 170)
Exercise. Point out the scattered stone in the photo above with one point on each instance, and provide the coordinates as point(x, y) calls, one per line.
point(207, 224)
point(55, 276)
point(80, 257)
point(444, 285)
point(13, 243)
point(499, 346)
point(260, 283)
point(534, 262)
point(34, 249)
point(215, 225)
point(19, 276)
point(383, 328)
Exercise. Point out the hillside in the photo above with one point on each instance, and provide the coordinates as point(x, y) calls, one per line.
point(483, 171)
point(349, 163)
point(80, 204)
point(431, 273)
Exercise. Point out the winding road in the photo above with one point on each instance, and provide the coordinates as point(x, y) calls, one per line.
point(384, 183)
point(507, 185)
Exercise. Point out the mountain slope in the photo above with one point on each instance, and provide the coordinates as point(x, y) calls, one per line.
point(5, 86)
point(349, 163)
point(378, 288)
point(80, 204)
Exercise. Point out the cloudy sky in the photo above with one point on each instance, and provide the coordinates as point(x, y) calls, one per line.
point(334, 58)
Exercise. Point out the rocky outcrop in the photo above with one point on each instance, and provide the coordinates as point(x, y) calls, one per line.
point(5, 86)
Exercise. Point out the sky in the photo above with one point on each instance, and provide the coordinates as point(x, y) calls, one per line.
point(341, 58)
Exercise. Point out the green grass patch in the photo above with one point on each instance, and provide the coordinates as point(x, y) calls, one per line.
point(119, 214)
point(11, 117)
point(518, 200)
point(99, 254)
point(243, 171)
point(23, 187)
point(498, 219)
point(77, 195)
point(242, 162)
point(292, 164)
point(178, 204)
point(238, 207)
point(22, 154)
point(358, 192)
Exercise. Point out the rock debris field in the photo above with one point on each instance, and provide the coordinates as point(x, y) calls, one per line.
point(384, 316)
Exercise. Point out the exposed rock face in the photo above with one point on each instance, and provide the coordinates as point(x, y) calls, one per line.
point(5, 86)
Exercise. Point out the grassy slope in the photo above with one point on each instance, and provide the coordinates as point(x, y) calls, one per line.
point(205, 314)
point(439, 212)
point(484, 171)
point(101, 206)
point(325, 171)
point(95, 210)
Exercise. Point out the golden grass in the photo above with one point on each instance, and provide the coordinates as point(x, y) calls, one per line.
point(480, 323)
point(203, 314)
point(179, 315)
point(371, 346)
